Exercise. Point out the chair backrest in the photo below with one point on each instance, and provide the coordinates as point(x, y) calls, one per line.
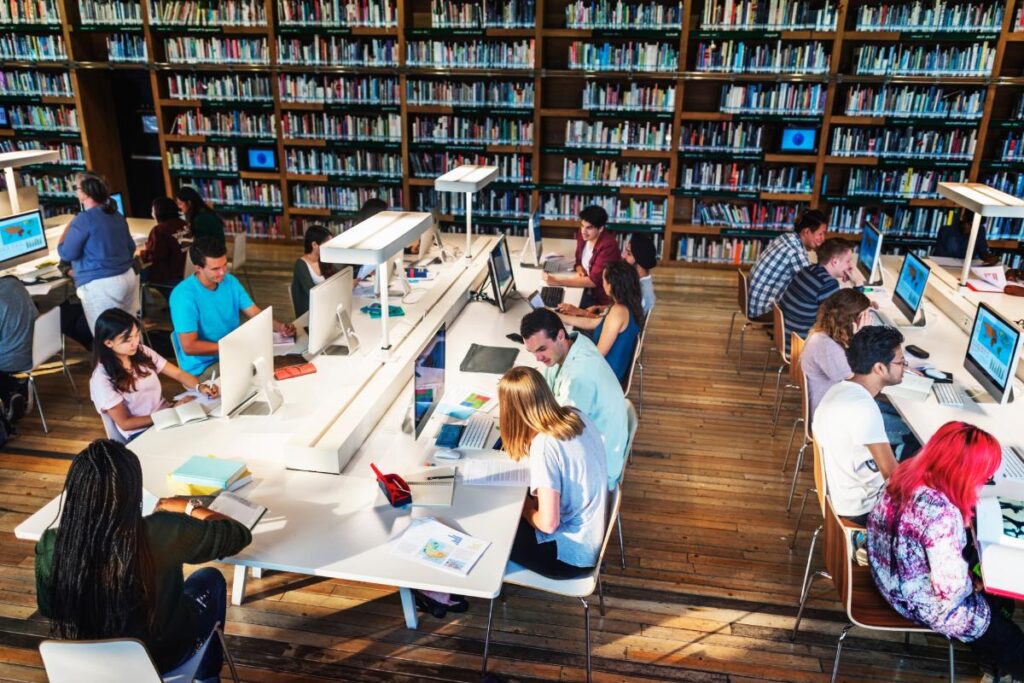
point(805, 404)
point(46, 337)
point(612, 515)
point(96, 661)
point(238, 251)
point(796, 347)
point(631, 425)
point(837, 553)
point(189, 266)
point(779, 330)
point(113, 433)
point(291, 300)
point(742, 287)
point(637, 350)
point(820, 483)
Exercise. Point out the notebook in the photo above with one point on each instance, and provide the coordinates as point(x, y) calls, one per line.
point(430, 491)
point(192, 411)
point(238, 508)
point(209, 471)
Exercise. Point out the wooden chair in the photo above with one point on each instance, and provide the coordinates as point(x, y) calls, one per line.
point(742, 291)
point(804, 419)
point(779, 330)
point(820, 490)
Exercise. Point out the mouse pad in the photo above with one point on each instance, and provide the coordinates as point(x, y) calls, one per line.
point(495, 360)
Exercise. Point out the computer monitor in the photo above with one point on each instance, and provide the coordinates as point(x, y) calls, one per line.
point(22, 238)
point(799, 140)
point(910, 285)
point(247, 368)
point(993, 351)
point(532, 250)
point(330, 316)
point(261, 159)
point(870, 249)
point(149, 124)
point(499, 267)
point(118, 200)
point(428, 379)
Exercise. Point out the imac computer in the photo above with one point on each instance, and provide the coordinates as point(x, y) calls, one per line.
point(394, 271)
point(533, 248)
point(431, 238)
point(22, 238)
point(993, 351)
point(867, 255)
point(428, 380)
point(909, 291)
point(247, 368)
point(330, 316)
point(118, 200)
point(499, 268)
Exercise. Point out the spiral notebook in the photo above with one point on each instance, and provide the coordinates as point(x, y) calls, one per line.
point(434, 487)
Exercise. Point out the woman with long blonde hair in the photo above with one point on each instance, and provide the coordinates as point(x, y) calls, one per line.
point(563, 523)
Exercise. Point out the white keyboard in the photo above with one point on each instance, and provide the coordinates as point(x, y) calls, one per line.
point(40, 273)
point(478, 428)
point(881, 319)
point(1013, 463)
point(950, 394)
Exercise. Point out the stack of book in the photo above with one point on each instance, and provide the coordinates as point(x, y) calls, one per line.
point(205, 476)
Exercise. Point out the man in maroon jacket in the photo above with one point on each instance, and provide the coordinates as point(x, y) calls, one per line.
point(595, 249)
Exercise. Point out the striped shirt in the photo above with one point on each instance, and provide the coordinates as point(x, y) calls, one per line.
point(778, 263)
point(799, 303)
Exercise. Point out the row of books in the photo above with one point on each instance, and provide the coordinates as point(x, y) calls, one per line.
point(737, 56)
point(614, 173)
point(1005, 229)
point(216, 50)
point(321, 126)
point(329, 89)
point(126, 47)
point(505, 94)
point(627, 56)
point(721, 136)
point(567, 206)
point(120, 12)
point(329, 13)
point(1018, 110)
point(240, 124)
point(780, 98)
point(351, 164)
point(468, 129)
point(1018, 20)
point(35, 83)
point(624, 15)
point(482, 14)
point(300, 224)
point(936, 15)
point(906, 142)
point(29, 12)
point(195, 13)
point(1010, 182)
point(473, 54)
point(50, 186)
point(703, 249)
point(756, 216)
point(488, 202)
point(719, 176)
point(932, 101)
point(226, 87)
point(511, 167)
point(336, 198)
point(71, 154)
point(255, 225)
point(43, 118)
point(628, 135)
point(33, 48)
point(631, 97)
point(904, 221)
point(775, 15)
point(335, 51)
point(906, 184)
point(204, 158)
point(1012, 148)
point(232, 193)
point(921, 60)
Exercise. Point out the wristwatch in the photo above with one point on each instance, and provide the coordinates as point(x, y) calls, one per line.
point(192, 504)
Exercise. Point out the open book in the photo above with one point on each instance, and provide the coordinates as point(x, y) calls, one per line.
point(192, 411)
point(238, 508)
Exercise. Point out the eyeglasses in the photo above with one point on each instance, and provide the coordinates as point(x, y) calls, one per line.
point(905, 363)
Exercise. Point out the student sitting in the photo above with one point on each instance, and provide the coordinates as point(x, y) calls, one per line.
point(205, 308)
point(917, 540)
point(18, 316)
point(951, 241)
point(780, 261)
point(202, 220)
point(167, 244)
point(813, 284)
point(618, 329)
point(580, 377)
point(109, 572)
point(640, 253)
point(309, 271)
point(101, 251)
point(849, 427)
point(823, 360)
point(563, 523)
point(595, 249)
point(125, 382)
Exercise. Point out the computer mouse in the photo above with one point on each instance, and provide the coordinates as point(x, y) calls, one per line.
point(447, 454)
point(935, 374)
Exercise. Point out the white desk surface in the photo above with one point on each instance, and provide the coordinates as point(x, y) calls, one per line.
point(466, 178)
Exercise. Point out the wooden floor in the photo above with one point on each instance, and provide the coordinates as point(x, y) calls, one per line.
point(709, 589)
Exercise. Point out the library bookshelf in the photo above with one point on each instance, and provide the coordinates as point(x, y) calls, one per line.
point(705, 123)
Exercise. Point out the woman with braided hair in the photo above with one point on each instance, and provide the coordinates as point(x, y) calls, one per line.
point(109, 572)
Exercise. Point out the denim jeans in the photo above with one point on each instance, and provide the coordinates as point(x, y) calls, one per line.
point(208, 589)
point(904, 443)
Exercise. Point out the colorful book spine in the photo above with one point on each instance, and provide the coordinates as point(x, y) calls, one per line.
point(335, 51)
point(746, 177)
point(920, 60)
point(566, 206)
point(626, 56)
point(43, 118)
point(704, 249)
point(492, 130)
point(50, 186)
point(647, 135)
point(905, 184)
point(914, 222)
point(122, 13)
point(217, 50)
point(755, 216)
point(489, 202)
point(205, 158)
point(335, 13)
point(239, 124)
point(782, 98)
point(721, 136)
point(33, 48)
point(474, 54)
point(71, 154)
point(343, 199)
point(503, 94)
point(1013, 147)
point(915, 101)
point(354, 164)
point(126, 47)
point(482, 14)
point(614, 173)
point(782, 57)
point(261, 225)
point(511, 167)
point(193, 13)
point(599, 96)
point(16, 82)
point(623, 15)
point(238, 193)
point(904, 143)
point(775, 15)
point(330, 89)
point(937, 15)
point(29, 12)
point(322, 125)
point(228, 87)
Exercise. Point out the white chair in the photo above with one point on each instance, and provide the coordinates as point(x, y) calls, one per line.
point(238, 258)
point(580, 588)
point(631, 426)
point(110, 427)
point(47, 342)
point(638, 363)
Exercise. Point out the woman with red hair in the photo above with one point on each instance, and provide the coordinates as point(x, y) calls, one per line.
point(916, 541)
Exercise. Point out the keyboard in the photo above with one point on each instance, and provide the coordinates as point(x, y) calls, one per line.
point(881, 319)
point(556, 265)
point(1013, 463)
point(44, 273)
point(478, 428)
point(950, 394)
point(552, 296)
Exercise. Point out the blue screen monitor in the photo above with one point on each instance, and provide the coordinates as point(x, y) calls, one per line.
point(22, 238)
point(993, 351)
point(261, 159)
point(118, 200)
point(428, 380)
point(910, 286)
point(500, 270)
point(867, 255)
point(804, 140)
point(149, 124)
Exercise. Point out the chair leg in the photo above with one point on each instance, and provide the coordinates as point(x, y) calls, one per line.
point(622, 545)
point(778, 388)
point(227, 655)
point(66, 369)
point(805, 585)
point(764, 370)
point(839, 651)
point(796, 474)
point(800, 517)
point(586, 629)
point(39, 403)
point(789, 446)
point(600, 595)
point(778, 406)
point(952, 661)
point(743, 335)
point(732, 324)
point(640, 406)
point(487, 637)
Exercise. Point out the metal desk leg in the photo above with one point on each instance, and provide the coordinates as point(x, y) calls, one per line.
point(238, 584)
point(409, 608)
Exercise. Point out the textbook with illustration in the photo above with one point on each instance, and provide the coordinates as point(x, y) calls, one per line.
point(429, 542)
point(176, 416)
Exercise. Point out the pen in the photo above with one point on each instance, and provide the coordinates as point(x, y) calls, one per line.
point(213, 378)
point(446, 476)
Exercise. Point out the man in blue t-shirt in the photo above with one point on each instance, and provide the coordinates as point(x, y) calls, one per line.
point(813, 284)
point(206, 307)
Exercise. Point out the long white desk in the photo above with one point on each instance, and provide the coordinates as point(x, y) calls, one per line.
point(339, 526)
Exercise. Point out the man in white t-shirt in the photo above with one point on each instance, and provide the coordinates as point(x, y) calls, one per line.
point(848, 423)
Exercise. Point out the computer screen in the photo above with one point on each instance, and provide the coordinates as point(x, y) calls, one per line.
point(500, 270)
point(324, 301)
point(261, 159)
point(22, 238)
point(910, 286)
point(798, 140)
point(535, 235)
point(428, 380)
point(870, 248)
point(118, 200)
point(246, 357)
point(149, 124)
point(992, 352)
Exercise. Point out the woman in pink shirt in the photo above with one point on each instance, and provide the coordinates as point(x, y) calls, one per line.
point(125, 382)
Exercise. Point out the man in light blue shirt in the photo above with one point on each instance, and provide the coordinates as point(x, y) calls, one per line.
point(205, 308)
point(579, 376)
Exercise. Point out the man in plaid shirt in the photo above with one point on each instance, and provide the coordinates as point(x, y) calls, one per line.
point(784, 257)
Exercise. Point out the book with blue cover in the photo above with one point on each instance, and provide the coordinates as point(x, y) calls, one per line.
point(207, 471)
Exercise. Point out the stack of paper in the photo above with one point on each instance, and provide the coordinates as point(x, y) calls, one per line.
point(429, 542)
point(913, 387)
point(205, 476)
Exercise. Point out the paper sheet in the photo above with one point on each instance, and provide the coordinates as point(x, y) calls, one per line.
point(429, 542)
point(494, 473)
